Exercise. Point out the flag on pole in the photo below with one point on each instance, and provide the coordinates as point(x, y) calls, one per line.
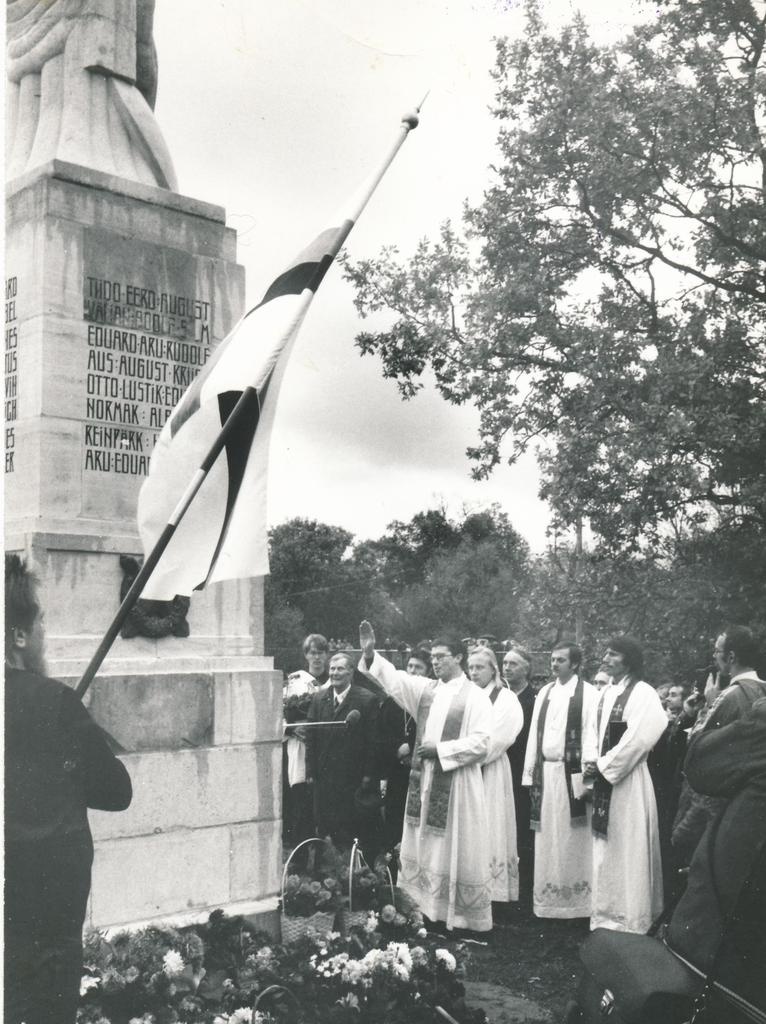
point(223, 533)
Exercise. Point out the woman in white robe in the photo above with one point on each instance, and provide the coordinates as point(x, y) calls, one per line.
point(507, 722)
point(627, 868)
point(446, 871)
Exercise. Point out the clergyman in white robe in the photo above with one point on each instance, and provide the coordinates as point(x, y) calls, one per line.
point(447, 873)
point(507, 722)
point(627, 868)
point(563, 846)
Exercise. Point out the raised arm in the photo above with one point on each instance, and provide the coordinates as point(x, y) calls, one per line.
point(405, 689)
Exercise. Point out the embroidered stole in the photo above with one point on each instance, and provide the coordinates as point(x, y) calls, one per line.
point(441, 781)
point(615, 730)
point(572, 757)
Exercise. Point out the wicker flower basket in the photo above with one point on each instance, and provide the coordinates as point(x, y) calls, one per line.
point(351, 918)
point(294, 927)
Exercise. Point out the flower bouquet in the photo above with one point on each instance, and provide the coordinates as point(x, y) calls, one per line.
point(308, 904)
point(296, 708)
point(223, 972)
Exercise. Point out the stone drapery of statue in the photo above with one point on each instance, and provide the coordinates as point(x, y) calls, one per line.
point(81, 85)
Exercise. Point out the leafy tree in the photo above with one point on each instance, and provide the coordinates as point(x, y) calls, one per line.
point(607, 295)
point(464, 576)
point(405, 549)
point(471, 590)
point(428, 574)
point(675, 601)
point(312, 574)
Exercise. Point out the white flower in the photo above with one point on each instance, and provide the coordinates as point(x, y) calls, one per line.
point(173, 963)
point(244, 1015)
point(446, 958)
point(87, 982)
point(371, 924)
point(402, 952)
point(422, 933)
point(349, 1000)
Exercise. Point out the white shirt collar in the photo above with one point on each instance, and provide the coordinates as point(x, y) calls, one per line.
point(750, 674)
point(570, 683)
point(338, 698)
point(456, 682)
point(620, 683)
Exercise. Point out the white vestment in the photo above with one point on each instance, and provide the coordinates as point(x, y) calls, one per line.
point(563, 846)
point(507, 722)
point(627, 869)
point(447, 873)
point(297, 684)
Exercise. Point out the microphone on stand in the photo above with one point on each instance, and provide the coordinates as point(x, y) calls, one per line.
point(349, 721)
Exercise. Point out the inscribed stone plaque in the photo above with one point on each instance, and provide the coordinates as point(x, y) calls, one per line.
point(11, 373)
point(146, 334)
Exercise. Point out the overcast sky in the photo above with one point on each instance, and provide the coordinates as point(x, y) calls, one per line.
point(277, 111)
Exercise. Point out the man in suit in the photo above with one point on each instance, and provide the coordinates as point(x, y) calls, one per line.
point(517, 666)
point(340, 759)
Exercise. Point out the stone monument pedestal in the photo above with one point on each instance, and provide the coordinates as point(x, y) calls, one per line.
point(116, 293)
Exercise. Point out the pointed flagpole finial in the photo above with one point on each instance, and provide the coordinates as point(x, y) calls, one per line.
point(411, 119)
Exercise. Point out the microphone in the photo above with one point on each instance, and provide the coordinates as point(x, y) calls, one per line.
point(349, 721)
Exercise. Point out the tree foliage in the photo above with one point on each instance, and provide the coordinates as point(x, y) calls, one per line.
point(483, 579)
point(676, 604)
point(312, 574)
point(606, 298)
point(421, 577)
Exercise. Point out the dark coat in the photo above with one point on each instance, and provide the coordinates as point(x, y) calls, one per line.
point(57, 764)
point(395, 727)
point(337, 759)
point(728, 762)
point(518, 749)
point(516, 754)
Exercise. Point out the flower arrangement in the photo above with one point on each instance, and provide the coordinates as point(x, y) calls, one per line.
point(385, 972)
point(296, 708)
point(304, 895)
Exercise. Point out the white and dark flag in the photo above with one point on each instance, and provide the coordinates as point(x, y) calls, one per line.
point(222, 533)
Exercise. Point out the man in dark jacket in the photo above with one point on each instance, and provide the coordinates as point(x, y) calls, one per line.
point(340, 759)
point(57, 764)
point(517, 666)
point(728, 872)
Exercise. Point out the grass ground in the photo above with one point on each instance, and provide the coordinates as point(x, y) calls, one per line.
point(534, 959)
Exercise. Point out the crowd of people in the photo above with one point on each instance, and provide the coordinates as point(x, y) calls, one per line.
point(566, 800)
point(609, 800)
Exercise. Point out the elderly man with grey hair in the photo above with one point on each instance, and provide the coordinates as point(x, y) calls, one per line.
point(517, 668)
point(340, 759)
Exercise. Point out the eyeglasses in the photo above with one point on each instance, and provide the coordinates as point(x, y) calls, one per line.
point(441, 657)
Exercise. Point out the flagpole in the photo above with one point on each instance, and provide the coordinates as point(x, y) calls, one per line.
point(409, 121)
